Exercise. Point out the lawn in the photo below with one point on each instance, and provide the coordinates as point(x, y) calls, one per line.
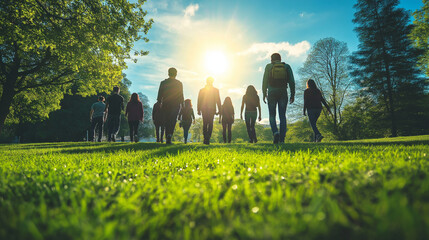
point(371, 189)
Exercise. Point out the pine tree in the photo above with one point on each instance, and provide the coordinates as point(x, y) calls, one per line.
point(420, 34)
point(385, 64)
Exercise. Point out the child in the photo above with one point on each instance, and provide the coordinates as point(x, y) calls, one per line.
point(251, 100)
point(313, 100)
point(186, 117)
point(226, 118)
point(158, 121)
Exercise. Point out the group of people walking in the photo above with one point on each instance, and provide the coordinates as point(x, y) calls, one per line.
point(171, 106)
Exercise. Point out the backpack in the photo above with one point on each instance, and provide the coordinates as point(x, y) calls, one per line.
point(278, 76)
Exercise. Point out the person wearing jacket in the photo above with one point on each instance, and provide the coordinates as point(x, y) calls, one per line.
point(134, 112)
point(208, 99)
point(277, 77)
point(170, 95)
point(313, 100)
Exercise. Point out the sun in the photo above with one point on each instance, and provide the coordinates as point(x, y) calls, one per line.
point(216, 62)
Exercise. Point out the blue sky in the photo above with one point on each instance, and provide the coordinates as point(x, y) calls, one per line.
point(244, 32)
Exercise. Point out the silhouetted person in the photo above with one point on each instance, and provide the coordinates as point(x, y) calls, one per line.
point(277, 76)
point(313, 100)
point(186, 117)
point(251, 100)
point(135, 114)
point(158, 121)
point(170, 95)
point(96, 116)
point(208, 98)
point(114, 106)
point(227, 119)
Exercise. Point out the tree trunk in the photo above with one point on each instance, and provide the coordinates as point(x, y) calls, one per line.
point(393, 128)
point(6, 100)
point(386, 61)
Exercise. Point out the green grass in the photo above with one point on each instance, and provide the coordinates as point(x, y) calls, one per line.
point(371, 189)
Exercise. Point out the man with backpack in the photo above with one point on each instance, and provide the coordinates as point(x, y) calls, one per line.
point(277, 76)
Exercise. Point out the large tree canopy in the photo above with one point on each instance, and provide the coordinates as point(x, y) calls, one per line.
point(57, 45)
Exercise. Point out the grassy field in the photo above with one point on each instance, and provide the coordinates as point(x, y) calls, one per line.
point(372, 189)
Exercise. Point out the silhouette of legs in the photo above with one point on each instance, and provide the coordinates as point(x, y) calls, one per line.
point(159, 130)
point(170, 121)
point(186, 127)
point(226, 126)
point(250, 119)
point(134, 126)
point(313, 115)
point(113, 122)
point(207, 126)
point(278, 98)
point(96, 123)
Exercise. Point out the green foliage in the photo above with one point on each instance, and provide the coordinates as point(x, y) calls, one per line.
point(56, 46)
point(71, 121)
point(369, 189)
point(385, 64)
point(420, 34)
point(300, 131)
point(34, 105)
point(146, 129)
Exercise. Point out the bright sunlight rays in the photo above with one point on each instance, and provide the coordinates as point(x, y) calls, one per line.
point(216, 62)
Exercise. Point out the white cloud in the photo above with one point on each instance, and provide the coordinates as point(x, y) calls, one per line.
point(191, 9)
point(177, 23)
point(264, 50)
point(237, 91)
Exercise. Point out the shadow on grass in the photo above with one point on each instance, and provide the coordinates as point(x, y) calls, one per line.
point(158, 149)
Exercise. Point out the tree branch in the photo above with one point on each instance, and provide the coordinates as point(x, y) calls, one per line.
point(52, 82)
point(2, 65)
point(53, 15)
point(38, 66)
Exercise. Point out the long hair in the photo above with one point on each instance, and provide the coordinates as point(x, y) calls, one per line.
point(311, 84)
point(251, 92)
point(188, 103)
point(134, 98)
point(227, 102)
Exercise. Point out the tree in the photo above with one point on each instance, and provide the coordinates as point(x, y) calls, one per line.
point(420, 34)
point(385, 64)
point(56, 45)
point(146, 128)
point(327, 64)
point(69, 123)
